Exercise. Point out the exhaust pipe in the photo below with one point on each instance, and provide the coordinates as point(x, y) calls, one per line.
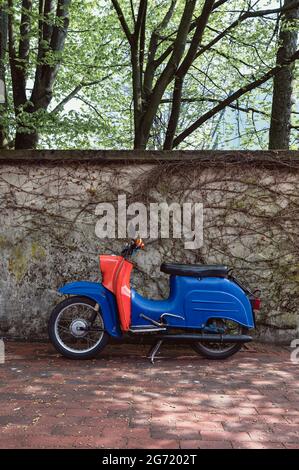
point(206, 338)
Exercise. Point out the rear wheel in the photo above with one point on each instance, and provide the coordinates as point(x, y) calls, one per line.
point(76, 328)
point(216, 350)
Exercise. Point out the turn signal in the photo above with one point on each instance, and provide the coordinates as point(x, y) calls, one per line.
point(139, 243)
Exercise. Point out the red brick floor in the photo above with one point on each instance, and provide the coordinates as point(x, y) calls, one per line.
point(120, 400)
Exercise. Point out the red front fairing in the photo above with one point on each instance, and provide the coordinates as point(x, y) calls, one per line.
point(116, 273)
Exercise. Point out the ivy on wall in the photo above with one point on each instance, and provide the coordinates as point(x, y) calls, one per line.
point(251, 219)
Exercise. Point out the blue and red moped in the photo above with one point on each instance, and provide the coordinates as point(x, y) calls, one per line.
point(207, 306)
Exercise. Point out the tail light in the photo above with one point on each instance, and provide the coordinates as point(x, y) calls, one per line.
point(255, 303)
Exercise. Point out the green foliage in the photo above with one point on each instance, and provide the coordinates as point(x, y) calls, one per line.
point(96, 62)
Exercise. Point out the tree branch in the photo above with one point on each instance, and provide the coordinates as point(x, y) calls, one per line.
point(140, 17)
point(169, 70)
point(248, 109)
point(201, 23)
point(47, 26)
point(193, 24)
point(122, 20)
point(234, 96)
point(133, 11)
point(46, 73)
point(140, 31)
point(60, 30)
point(152, 49)
point(18, 82)
point(243, 17)
point(24, 31)
point(90, 106)
point(72, 94)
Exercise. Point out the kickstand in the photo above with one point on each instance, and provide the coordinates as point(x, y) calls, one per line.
point(154, 350)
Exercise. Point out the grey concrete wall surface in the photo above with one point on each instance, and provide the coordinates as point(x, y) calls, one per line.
point(48, 203)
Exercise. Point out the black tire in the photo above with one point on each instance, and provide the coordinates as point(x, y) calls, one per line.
point(57, 342)
point(204, 350)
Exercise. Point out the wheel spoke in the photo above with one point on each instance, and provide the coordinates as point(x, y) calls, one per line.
point(94, 330)
point(64, 329)
point(229, 327)
point(73, 328)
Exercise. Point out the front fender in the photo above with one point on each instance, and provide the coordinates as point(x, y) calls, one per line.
point(97, 292)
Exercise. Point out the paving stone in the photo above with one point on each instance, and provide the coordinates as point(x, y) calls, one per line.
point(119, 400)
point(257, 445)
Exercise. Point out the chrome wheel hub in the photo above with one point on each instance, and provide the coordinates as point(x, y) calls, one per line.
point(72, 328)
point(78, 328)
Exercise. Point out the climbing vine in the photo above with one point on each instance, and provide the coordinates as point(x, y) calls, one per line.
point(47, 235)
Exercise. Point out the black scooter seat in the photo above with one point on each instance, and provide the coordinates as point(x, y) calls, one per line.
point(195, 270)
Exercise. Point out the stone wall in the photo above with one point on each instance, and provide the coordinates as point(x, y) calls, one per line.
point(47, 226)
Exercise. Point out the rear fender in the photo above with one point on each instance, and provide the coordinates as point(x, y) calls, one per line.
point(209, 298)
point(97, 292)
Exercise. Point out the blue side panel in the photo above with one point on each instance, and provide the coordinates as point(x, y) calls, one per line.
point(155, 308)
point(217, 298)
point(101, 295)
point(196, 301)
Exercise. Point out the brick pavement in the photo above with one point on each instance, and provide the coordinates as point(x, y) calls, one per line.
point(120, 400)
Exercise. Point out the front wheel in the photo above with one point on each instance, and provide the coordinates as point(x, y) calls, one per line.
point(76, 328)
point(216, 350)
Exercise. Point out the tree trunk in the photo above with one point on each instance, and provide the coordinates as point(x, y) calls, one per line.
point(3, 94)
point(279, 134)
point(24, 140)
point(175, 113)
point(52, 32)
point(137, 93)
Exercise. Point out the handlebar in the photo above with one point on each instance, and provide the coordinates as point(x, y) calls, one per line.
point(132, 246)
